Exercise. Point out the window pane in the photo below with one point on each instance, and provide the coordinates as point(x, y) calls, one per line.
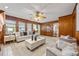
point(35, 27)
point(10, 26)
point(21, 27)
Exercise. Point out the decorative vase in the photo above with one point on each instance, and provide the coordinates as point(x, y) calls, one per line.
point(32, 37)
point(36, 37)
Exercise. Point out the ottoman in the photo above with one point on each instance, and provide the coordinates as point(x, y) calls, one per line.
point(34, 44)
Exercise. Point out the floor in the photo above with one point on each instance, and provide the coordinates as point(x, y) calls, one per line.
point(19, 49)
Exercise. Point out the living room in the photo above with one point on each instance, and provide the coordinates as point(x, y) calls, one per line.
point(39, 29)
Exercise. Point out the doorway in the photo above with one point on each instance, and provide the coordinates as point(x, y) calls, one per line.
point(55, 30)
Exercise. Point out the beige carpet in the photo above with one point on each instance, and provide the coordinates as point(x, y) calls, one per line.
point(19, 49)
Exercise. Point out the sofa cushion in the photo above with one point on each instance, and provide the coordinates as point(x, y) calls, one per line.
point(69, 50)
point(25, 33)
point(21, 34)
point(17, 34)
point(53, 51)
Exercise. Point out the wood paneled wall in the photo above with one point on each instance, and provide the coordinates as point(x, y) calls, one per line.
point(2, 32)
point(77, 32)
point(43, 32)
point(74, 23)
point(67, 25)
point(77, 37)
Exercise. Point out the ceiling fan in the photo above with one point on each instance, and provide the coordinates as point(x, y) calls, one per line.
point(39, 15)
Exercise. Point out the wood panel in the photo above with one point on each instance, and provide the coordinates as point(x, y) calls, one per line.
point(74, 23)
point(43, 32)
point(77, 37)
point(77, 32)
point(67, 25)
point(2, 32)
point(17, 26)
point(47, 24)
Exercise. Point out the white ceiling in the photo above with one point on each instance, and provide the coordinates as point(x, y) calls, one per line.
point(26, 10)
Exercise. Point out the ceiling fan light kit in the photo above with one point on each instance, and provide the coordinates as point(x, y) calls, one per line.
point(39, 16)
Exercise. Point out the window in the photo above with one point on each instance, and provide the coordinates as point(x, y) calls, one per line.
point(35, 27)
point(29, 28)
point(55, 29)
point(21, 27)
point(10, 26)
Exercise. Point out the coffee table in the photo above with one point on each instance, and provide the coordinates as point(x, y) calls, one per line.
point(34, 44)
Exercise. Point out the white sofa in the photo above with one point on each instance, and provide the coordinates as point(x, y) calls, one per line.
point(9, 38)
point(62, 48)
point(66, 51)
point(21, 38)
point(52, 51)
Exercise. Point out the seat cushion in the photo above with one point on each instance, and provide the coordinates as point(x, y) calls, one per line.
point(17, 34)
point(53, 51)
point(60, 44)
point(70, 50)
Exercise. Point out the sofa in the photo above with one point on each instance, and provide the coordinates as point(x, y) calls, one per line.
point(66, 51)
point(63, 47)
point(9, 38)
point(21, 36)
